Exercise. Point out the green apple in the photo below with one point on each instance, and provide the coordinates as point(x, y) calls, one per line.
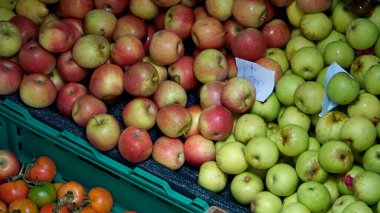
point(211, 177)
point(378, 207)
point(272, 128)
point(362, 33)
point(371, 80)
point(342, 88)
point(294, 14)
point(265, 202)
point(360, 66)
point(292, 115)
point(286, 87)
point(10, 4)
point(341, 17)
point(376, 48)
point(289, 199)
point(335, 157)
point(359, 132)
point(269, 109)
point(230, 158)
point(371, 159)
point(328, 127)
point(245, 186)
point(6, 14)
point(295, 44)
point(279, 56)
point(375, 16)
point(308, 97)
point(10, 39)
point(307, 62)
point(366, 187)
point(357, 206)
point(261, 153)
point(230, 138)
point(366, 105)
point(378, 129)
point(340, 52)
point(321, 76)
point(292, 140)
point(331, 184)
point(259, 172)
point(295, 32)
point(281, 179)
point(314, 195)
point(341, 202)
point(345, 182)
point(308, 168)
point(315, 26)
point(333, 36)
point(249, 126)
point(314, 144)
point(295, 207)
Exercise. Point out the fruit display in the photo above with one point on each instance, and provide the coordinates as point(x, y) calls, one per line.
point(247, 104)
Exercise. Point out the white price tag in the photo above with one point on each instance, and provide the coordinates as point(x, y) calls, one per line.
point(262, 78)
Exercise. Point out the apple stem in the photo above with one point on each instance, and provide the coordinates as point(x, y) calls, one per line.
point(94, 117)
point(183, 133)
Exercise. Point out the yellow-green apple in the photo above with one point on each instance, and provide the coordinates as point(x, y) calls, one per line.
point(366, 105)
point(182, 72)
point(341, 52)
point(166, 47)
point(135, 144)
point(341, 17)
point(173, 120)
point(210, 65)
point(198, 150)
point(294, 14)
point(345, 180)
point(56, 36)
point(179, 19)
point(272, 128)
point(295, 44)
point(281, 180)
point(231, 28)
point(316, 26)
point(333, 36)
point(292, 115)
point(106, 82)
point(10, 39)
point(166, 3)
point(195, 111)
point(360, 66)
point(141, 79)
point(220, 9)
point(249, 13)
point(216, 122)
point(314, 144)
point(261, 153)
point(365, 187)
point(248, 126)
point(295, 207)
point(75, 8)
point(292, 140)
point(34, 9)
point(69, 69)
point(10, 165)
point(50, 17)
point(321, 76)
point(335, 157)
point(359, 132)
point(342, 88)
point(169, 152)
point(86, 106)
point(190, 3)
point(245, 186)
point(374, 16)
point(314, 6)
point(162, 70)
point(238, 95)
point(281, 3)
point(208, 33)
point(11, 76)
point(314, 195)
point(37, 90)
point(91, 51)
point(331, 184)
point(329, 126)
point(272, 65)
point(127, 50)
point(308, 167)
point(371, 79)
point(290, 199)
point(114, 6)
point(276, 33)
point(307, 62)
point(140, 112)
point(169, 92)
point(211, 177)
point(362, 33)
point(230, 158)
point(67, 96)
point(357, 205)
point(266, 201)
point(103, 131)
point(56, 78)
point(10, 4)
point(286, 87)
point(145, 9)
point(129, 24)
point(232, 67)
point(209, 93)
point(269, 109)
point(27, 28)
point(371, 159)
point(249, 44)
point(99, 22)
point(35, 59)
point(308, 97)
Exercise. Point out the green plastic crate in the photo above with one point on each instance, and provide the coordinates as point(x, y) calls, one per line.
point(132, 189)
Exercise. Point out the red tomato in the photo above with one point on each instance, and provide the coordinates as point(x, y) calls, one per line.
point(3, 207)
point(75, 189)
point(13, 190)
point(100, 199)
point(49, 208)
point(23, 205)
point(43, 169)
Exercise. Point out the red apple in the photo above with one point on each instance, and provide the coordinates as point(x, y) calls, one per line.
point(281, 3)
point(129, 25)
point(232, 67)
point(182, 72)
point(69, 69)
point(210, 65)
point(170, 92)
point(76, 26)
point(179, 19)
point(249, 13)
point(276, 33)
point(238, 95)
point(10, 165)
point(166, 47)
point(127, 50)
point(208, 33)
point(86, 106)
point(11, 76)
point(114, 6)
point(271, 64)
point(169, 152)
point(103, 131)
point(35, 59)
point(140, 112)
point(28, 29)
point(148, 38)
point(135, 144)
point(249, 44)
point(195, 111)
point(200, 12)
point(173, 120)
point(166, 3)
point(210, 92)
point(270, 10)
point(67, 96)
point(159, 21)
point(198, 149)
point(56, 36)
point(231, 28)
point(75, 8)
point(141, 79)
point(37, 90)
point(314, 6)
point(216, 122)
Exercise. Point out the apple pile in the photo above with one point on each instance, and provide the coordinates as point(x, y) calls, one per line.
point(311, 146)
